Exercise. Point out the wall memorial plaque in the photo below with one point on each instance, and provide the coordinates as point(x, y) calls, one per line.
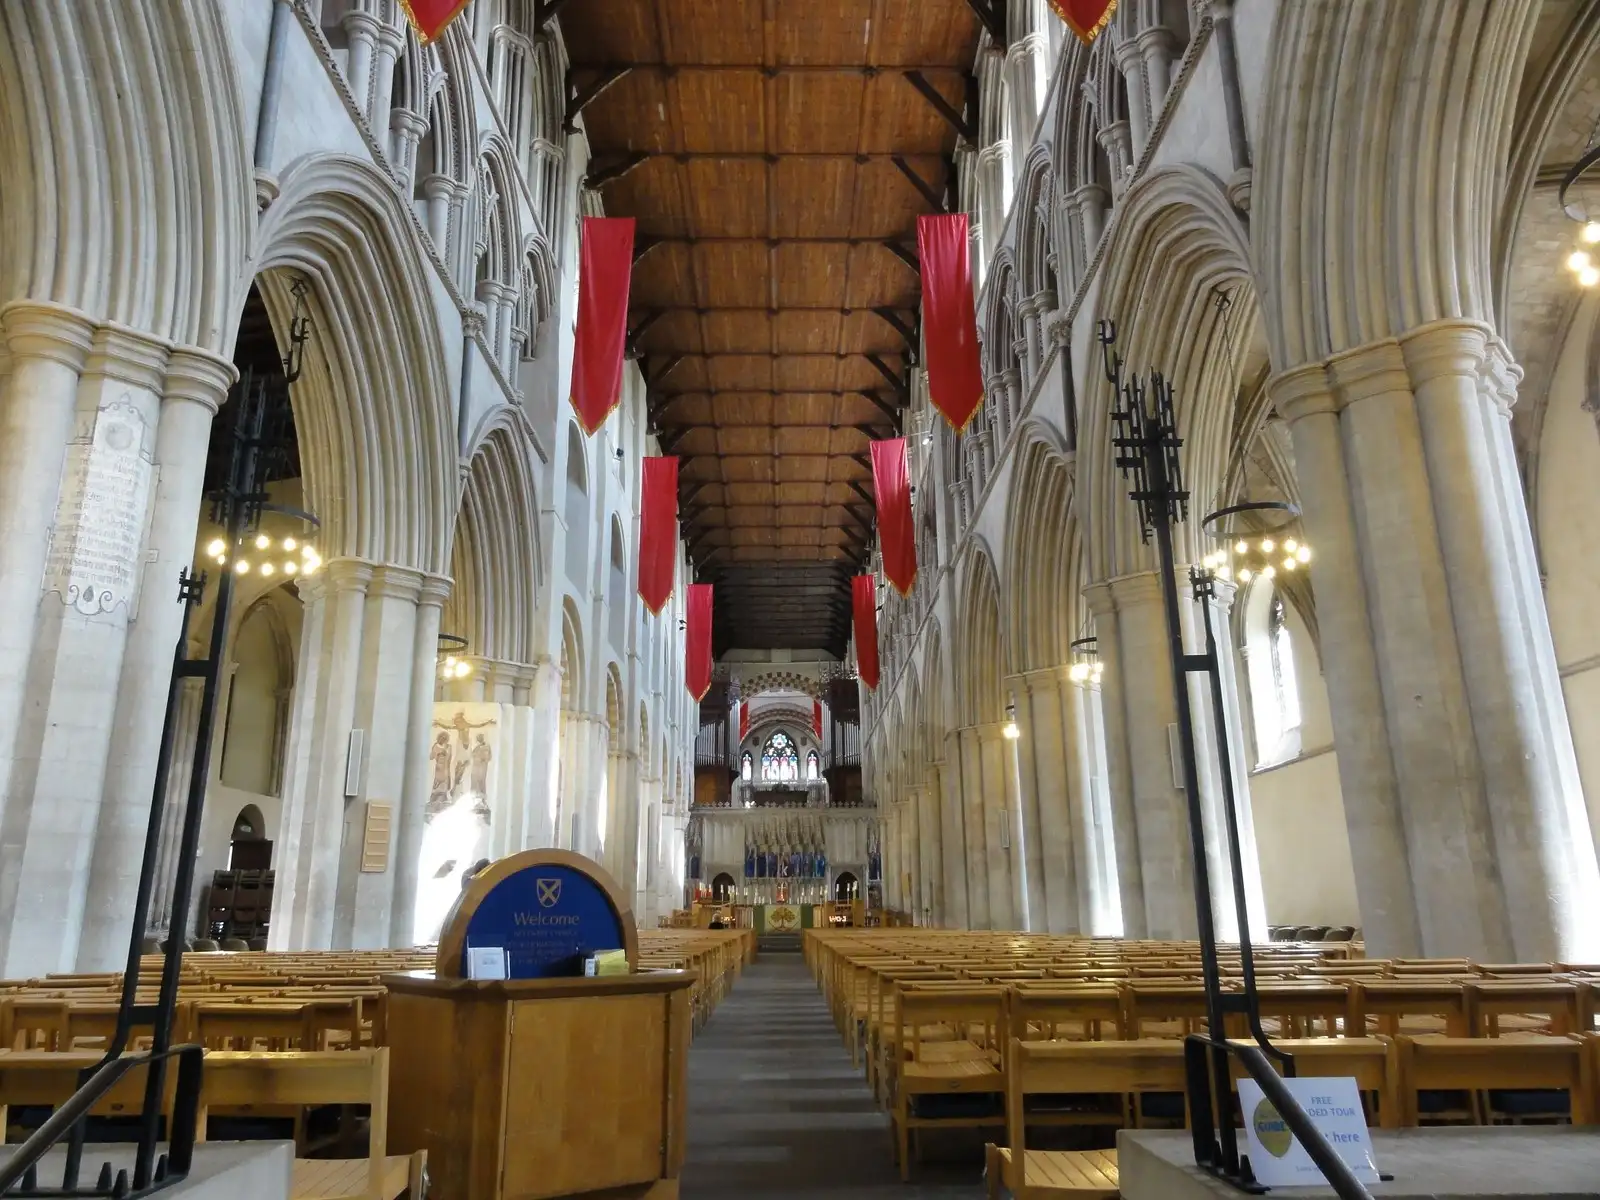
point(548, 909)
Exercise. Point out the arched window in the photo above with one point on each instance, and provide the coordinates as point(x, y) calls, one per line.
point(1274, 690)
point(780, 761)
point(744, 767)
point(811, 765)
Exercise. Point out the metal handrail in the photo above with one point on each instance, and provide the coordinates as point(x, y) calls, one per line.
point(64, 1122)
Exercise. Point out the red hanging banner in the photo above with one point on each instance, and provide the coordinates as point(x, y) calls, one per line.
point(891, 481)
point(1086, 18)
point(697, 641)
point(950, 318)
point(864, 606)
point(429, 17)
point(816, 718)
point(744, 720)
point(605, 265)
point(658, 532)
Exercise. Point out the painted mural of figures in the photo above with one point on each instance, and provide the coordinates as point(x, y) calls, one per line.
point(749, 861)
point(439, 793)
point(480, 756)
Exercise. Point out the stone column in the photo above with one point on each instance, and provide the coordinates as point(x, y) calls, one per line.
point(1028, 63)
point(406, 130)
point(187, 730)
point(299, 788)
point(82, 607)
point(329, 708)
point(930, 851)
point(411, 812)
point(47, 346)
point(437, 192)
point(975, 843)
point(1030, 807)
point(384, 689)
point(1467, 826)
point(1043, 770)
point(945, 783)
point(1156, 46)
point(391, 41)
point(195, 386)
point(1099, 902)
point(1138, 671)
point(1091, 202)
point(1125, 826)
point(1131, 63)
point(544, 742)
point(1002, 824)
point(992, 191)
point(1011, 379)
point(362, 30)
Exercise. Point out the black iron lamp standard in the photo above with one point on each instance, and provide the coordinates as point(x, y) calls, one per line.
point(1146, 444)
point(262, 436)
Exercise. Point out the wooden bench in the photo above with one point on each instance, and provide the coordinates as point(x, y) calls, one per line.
point(242, 1081)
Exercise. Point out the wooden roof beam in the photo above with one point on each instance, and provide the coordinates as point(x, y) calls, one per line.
point(993, 15)
point(579, 99)
point(884, 407)
point(907, 332)
point(545, 11)
point(863, 493)
point(906, 256)
point(893, 376)
point(651, 316)
point(964, 122)
point(924, 188)
point(766, 69)
point(598, 179)
point(771, 311)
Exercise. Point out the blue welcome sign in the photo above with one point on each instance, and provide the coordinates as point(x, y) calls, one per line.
point(548, 916)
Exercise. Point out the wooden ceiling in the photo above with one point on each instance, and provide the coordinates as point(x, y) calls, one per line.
point(776, 154)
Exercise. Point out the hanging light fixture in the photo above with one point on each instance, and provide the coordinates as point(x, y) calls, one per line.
point(1010, 730)
point(1581, 262)
point(1255, 540)
point(272, 550)
point(453, 663)
point(1086, 665)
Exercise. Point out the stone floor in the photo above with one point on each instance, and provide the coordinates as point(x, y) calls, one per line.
point(776, 1110)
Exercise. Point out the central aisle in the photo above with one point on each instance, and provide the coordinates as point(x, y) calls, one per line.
point(776, 1109)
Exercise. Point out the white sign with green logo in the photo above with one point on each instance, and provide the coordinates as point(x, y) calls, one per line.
point(1276, 1156)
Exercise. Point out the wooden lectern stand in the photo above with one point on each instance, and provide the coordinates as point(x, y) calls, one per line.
point(553, 1086)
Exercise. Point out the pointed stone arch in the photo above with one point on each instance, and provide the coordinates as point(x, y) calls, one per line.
point(118, 167)
point(1176, 248)
point(981, 645)
point(1348, 251)
point(1042, 599)
point(496, 559)
point(373, 408)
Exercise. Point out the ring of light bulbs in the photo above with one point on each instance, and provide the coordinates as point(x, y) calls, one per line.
point(268, 556)
point(1086, 672)
point(451, 667)
point(1247, 558)
point(1580, 262)
point(1086, 665)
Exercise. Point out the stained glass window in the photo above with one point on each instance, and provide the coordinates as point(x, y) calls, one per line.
point(780, 761)
point(744, 767)
point(811, 765)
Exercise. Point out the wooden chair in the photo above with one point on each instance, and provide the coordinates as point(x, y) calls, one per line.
point(247, 1080)
point(1372, 1062)
point(1061, 1068)
point(979, 1010)
point(1515, 1062)
point(47, 1078)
